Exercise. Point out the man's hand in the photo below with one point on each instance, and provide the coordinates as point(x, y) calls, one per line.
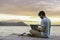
point(40, 29)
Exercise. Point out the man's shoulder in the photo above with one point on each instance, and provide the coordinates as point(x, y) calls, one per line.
point(46, 20)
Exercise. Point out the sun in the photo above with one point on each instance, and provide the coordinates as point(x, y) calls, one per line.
point(5, 17)
point(54, 19)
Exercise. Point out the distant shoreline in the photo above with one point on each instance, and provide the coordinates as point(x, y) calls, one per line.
point(25, 26)
point(55, 25)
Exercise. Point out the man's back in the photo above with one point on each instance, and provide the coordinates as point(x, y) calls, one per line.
point(47, 25)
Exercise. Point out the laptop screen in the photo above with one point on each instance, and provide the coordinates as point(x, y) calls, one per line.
point(34, 27)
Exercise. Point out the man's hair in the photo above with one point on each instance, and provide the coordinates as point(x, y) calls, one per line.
point(41, 13)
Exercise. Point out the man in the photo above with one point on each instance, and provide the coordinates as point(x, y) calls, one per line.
point(44, 30)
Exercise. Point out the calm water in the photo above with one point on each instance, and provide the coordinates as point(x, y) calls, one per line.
point(7, 30)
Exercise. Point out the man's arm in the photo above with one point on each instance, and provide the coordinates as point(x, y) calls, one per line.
point(41, 29)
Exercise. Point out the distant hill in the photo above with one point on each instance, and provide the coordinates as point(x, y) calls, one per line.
point(13, 24)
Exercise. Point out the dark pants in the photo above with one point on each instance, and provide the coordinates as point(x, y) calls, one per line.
point(37, 34)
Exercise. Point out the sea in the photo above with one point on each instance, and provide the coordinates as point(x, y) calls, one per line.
point(8, 30)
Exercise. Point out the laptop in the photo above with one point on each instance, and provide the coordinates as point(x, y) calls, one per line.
point(34, 27)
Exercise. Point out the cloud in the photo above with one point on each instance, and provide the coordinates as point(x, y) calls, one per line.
point(28, 6)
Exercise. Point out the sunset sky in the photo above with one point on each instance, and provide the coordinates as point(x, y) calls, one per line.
point(29, 9)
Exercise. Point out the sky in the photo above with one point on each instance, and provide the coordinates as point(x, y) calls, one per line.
point(29, 8)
